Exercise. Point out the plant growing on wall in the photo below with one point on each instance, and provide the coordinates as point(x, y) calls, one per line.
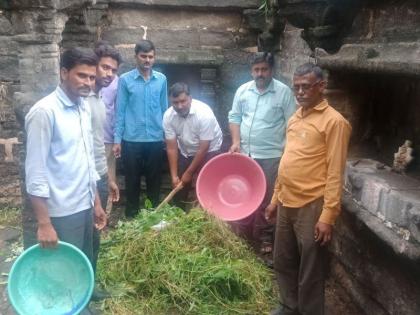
point(265, 7)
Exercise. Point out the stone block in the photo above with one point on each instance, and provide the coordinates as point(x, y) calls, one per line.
point(240, 4)
point(174, 19)
point(9, 68)
point(5, 25)
point(255, 19)
point(51, 4)
point(223, 40)
point(391, 197)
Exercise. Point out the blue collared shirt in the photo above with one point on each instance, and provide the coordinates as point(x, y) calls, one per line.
point(59, 162)
point(262, 118)
point(140, 107)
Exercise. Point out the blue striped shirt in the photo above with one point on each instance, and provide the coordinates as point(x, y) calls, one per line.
point(140, 107)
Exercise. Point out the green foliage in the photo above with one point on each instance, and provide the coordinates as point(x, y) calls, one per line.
point(194, 265)
point(148, 204)
point(265, 7)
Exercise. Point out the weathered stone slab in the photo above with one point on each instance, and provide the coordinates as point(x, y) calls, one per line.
point(393, 58)
point(5, 25)
point(393, 198)
point(241, 4)
point(55, 4)
point(174, 19)
point(8, 66)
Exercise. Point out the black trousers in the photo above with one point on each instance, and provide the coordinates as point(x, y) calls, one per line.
point(141, 159)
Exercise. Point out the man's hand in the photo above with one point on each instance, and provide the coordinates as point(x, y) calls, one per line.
point(323, 233)
point(47, 236)
point(186, 178)
point(235, 147)
point(116, 149)
point(175, 181)
point(271, 213)
point(100, 218)
point(114, 191)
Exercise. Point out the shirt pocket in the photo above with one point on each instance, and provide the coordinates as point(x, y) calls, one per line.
point(272, 115)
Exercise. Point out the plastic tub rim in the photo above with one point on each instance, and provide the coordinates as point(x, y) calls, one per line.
point(15, 265)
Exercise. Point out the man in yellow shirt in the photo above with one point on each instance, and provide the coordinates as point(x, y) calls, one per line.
point(307, 194)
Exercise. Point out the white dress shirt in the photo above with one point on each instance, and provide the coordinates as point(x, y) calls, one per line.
point(199, 125)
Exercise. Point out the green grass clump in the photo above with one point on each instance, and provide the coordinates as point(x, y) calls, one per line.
point(196, 265)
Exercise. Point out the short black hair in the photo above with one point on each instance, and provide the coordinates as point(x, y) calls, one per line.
point(106, 50)
point(263, 57)
point(178, 88)
point(309, 67)
point(78, 56)
point(144, 46)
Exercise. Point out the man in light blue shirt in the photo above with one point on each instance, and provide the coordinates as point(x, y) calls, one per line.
point(60, 167)
point(257, 121)
point(141, 102)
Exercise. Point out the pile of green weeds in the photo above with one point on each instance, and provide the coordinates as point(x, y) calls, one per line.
point(194, 265)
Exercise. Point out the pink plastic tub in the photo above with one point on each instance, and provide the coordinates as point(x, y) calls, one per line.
point(231, 186)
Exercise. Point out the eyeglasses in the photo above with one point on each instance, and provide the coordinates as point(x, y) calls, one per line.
point(304, 87)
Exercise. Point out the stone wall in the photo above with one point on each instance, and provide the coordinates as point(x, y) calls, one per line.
point(28, 65)
point(9, 148)
point(377, 245)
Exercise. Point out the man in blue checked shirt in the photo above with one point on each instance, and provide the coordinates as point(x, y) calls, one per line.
point(257, 121)
point(141, 101)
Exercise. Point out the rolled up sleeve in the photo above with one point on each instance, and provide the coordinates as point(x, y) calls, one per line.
point(39, 130)
point(169, 130)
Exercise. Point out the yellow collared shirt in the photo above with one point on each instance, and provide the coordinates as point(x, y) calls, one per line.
point(314, 159)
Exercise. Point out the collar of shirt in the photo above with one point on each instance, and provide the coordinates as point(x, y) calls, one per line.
point(92, 93)
point(270, 88)
point(64, 99)
point(319, 108)
point(139, 75)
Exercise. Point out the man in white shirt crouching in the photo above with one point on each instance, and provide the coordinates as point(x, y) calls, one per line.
point(193, 136)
